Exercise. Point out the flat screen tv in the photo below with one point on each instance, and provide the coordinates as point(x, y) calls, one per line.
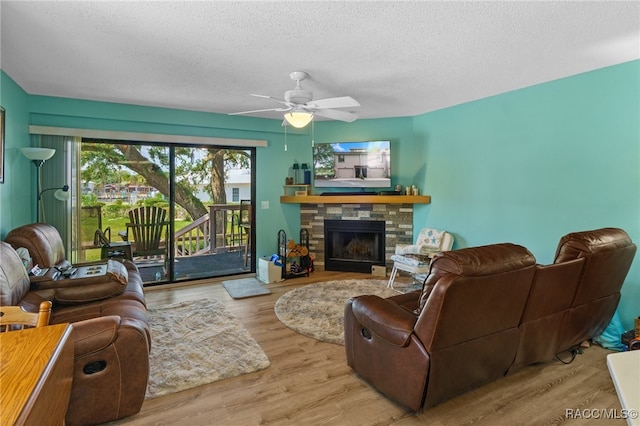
point(364, 164)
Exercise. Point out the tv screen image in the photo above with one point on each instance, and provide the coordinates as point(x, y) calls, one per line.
point(364, 164)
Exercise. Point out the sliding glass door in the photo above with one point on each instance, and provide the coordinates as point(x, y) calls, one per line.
point(176, 208)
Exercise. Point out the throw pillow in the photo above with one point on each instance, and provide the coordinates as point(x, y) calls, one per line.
point(431, 238)
point(24, 255)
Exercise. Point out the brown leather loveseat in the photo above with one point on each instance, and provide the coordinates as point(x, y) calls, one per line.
point(484, 312)
point(110, 326)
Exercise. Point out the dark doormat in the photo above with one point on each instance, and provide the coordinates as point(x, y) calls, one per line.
point(245, 287)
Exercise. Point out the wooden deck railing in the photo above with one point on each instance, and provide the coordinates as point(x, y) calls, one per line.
point(221, 222)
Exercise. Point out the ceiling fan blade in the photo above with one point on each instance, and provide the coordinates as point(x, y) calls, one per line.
point(259, 110)
point(337, 115)
point(272, 98)
point(341, 102)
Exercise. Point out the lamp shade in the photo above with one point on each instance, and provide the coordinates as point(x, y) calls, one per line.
point(38, 154)
point(62, 194)
point(298, 119)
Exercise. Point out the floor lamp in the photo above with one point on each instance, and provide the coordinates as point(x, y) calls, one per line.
point(39, 156)
point(61, 194)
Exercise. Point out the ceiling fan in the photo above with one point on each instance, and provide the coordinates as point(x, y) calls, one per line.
point(299, 106)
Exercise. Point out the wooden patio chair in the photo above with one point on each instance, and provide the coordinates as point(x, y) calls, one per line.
point(15, 318)
point(245, 226)
point(148, 227)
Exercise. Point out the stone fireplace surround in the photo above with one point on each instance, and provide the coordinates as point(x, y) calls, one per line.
point(398, 222)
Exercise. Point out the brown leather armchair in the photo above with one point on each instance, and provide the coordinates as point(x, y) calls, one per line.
point(574, 299)
point(46, 249)
point(607, 254)
point(461, 332)
point(110, 332)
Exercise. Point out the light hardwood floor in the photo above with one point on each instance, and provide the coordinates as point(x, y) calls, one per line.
point(309, 382)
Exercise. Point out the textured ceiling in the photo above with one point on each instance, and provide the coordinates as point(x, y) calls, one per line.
point(397, 58)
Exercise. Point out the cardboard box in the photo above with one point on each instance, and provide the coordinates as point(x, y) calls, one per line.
point(379, 270)
point(268, 271)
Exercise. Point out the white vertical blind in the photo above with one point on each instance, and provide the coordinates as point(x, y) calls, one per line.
point(55, 173)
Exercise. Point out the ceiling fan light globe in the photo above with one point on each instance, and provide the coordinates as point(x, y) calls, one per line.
point(298, 119)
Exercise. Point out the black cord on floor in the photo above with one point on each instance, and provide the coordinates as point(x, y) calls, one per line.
point(573, 351)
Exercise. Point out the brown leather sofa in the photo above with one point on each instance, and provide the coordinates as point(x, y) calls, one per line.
point(110, 326)
point(484, 312)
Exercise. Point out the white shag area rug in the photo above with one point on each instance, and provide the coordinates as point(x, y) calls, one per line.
point(317, 310)
point(198, 342)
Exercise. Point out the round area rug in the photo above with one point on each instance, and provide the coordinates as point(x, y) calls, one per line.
point(317, 310)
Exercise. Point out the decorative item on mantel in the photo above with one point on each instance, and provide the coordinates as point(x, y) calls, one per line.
point(411, 190)
point(307, 174)
point(296, 190)
point(296, 174)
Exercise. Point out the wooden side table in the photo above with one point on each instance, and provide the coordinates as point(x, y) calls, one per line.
point(36, 371)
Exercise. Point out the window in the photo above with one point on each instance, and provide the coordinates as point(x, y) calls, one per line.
point(235, 195)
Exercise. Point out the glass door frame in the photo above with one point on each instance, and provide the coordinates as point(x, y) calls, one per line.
point(171, 276)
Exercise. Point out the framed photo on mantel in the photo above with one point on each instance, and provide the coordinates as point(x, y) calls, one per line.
point(1, 145)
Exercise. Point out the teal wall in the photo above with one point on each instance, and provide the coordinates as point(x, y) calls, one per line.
point(532, 165)
point(17, 202)
point(526, 166)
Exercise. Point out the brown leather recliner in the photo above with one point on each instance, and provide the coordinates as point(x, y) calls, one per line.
point(461, 332)
point(607, 254)
point(574, 299)
point(111, 333)
point(46, 249)
point(547, 307)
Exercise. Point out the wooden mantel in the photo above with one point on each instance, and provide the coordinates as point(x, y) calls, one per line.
point(356, 199)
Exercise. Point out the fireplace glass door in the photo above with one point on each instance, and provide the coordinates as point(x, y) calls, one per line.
point(353, 246)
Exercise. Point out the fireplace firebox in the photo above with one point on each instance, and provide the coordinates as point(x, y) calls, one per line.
point(353, 246)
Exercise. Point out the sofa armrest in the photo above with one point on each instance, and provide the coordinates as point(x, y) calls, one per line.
point(384, 318)
point(89, 288)
point(94, 334)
